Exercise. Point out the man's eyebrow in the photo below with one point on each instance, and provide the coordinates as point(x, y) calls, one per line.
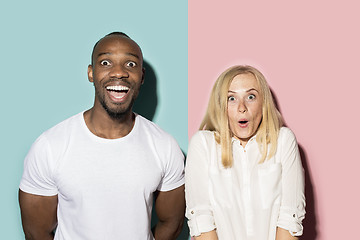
point(134, 55)
point(109, 53)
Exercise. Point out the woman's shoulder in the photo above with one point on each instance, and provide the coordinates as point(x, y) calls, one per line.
point(203, 135)
point(203, 138)
point(286, 132)
point(286, 137)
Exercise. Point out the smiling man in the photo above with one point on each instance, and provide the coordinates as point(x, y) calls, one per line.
point(95, 175)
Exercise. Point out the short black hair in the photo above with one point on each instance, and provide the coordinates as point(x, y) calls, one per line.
point(117, 33)
point(110, 34)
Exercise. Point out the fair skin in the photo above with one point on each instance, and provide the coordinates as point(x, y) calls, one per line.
point(244, 107)
point(281, 234)
point(208, 236)
point(245, 114)
point(117, 74)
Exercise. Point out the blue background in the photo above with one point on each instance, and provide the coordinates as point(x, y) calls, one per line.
point(45, 50)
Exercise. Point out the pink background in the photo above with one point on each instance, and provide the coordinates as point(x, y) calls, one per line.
point(309, 52)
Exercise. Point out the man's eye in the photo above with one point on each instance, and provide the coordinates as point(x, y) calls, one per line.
point(105, 62)
point(131, 64)
point(231, 98)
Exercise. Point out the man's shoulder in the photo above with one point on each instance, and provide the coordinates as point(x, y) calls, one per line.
point(153, 131)
point(151, 127)
point(63, 127)
point(54, 140)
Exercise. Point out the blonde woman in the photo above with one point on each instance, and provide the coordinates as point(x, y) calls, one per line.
point(243, 177)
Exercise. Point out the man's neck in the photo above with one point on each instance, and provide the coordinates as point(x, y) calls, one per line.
point(100, 123)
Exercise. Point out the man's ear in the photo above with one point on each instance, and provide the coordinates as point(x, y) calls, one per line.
point(90, 73)
point(143, 76)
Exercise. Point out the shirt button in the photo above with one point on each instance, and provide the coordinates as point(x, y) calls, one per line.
point(294, 215)
point(192, 212)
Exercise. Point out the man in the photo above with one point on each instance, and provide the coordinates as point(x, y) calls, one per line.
point(94, 175)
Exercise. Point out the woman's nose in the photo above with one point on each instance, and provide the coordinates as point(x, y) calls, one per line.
point(242, 107)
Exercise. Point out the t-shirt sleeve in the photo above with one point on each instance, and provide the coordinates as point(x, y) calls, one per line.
point(292, 209)
point(199, 211)
point(38, 170)
point(174, 168)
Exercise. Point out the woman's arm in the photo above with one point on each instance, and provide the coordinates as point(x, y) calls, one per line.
point(207, 236)
point(198, 206)
point(282, 234)
point(292, 208)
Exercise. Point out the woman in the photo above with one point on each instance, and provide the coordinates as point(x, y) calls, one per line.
point(243, 176)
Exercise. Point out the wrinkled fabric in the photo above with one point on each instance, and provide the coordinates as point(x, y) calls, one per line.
point(249, 200)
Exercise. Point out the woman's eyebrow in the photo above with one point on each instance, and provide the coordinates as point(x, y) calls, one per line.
point(252, 89)
point(249, 90)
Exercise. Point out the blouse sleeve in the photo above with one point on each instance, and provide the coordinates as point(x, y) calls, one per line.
point(198, 208)
point(292, 209)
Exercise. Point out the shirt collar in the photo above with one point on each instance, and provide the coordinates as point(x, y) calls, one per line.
point(235, 140)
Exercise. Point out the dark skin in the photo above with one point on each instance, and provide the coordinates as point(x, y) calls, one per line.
point(170, 209)
point(38, 215)
point(117, 62)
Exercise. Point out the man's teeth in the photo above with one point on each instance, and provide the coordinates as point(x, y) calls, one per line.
point(117, 88)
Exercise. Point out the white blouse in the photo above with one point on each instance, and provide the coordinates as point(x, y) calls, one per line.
point(249, 200)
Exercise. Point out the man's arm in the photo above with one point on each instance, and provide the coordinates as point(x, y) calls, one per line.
point(170, 209)
point(38, 214)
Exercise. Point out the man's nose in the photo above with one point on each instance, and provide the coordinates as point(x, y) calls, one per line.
point(119, 71)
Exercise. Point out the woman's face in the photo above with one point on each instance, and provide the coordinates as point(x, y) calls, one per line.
point(244, 107)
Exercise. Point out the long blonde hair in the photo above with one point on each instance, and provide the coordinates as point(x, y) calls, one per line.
point(216, 117)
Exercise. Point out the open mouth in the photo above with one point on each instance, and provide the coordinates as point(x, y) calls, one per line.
point(117, 92)
point(243, 123)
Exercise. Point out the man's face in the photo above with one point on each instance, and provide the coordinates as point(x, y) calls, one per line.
point(117, 74)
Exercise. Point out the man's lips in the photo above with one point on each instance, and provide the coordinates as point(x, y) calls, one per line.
point(117, 88)
point(117, 93)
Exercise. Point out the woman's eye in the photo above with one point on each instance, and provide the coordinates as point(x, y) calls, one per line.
point(131, 64)
point(251, 97)
point(231, 98)
point(105, 63)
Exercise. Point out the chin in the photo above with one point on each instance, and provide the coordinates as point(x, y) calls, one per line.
point(117, 112)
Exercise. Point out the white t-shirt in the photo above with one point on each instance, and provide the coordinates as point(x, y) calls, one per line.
point(104, 186)
point(249, 200)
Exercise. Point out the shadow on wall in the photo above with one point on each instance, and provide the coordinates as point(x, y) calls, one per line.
point(147, 101)
point(185, 233)
point(310, 222)
point(145, 105)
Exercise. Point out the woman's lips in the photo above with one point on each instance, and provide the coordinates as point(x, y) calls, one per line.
point(243, 123)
